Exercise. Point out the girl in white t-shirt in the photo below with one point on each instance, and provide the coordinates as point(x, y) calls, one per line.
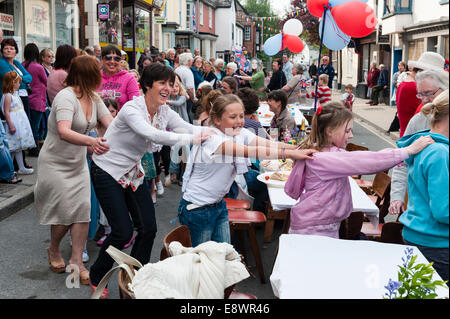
point(213, 165)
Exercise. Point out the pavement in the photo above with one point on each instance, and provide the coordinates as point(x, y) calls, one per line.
point(13, 198)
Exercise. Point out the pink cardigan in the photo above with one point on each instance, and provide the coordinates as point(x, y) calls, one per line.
point(38, 98)
point(328, 197)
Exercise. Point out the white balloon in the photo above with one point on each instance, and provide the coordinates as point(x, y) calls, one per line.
point(293, 27)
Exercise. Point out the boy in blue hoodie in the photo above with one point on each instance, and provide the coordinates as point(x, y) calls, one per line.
point(426, 220)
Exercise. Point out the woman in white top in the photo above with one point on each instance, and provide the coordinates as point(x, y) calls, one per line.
point(118, 176)
point(212, 167)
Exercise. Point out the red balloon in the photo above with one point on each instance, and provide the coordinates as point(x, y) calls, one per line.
point(294, 43)
point(355, 18)
point(315, 7)
point(284, 42)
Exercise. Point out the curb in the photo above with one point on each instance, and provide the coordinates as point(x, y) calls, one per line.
point(392, 135)
point(17, 202)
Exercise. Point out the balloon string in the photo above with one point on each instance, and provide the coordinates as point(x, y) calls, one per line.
point(320, 53)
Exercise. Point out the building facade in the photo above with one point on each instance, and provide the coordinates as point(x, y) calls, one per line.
point(48, 23)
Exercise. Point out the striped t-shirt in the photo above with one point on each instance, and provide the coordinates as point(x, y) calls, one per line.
point(323, 94)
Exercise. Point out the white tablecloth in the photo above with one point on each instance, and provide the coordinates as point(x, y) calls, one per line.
point(295, 111)
point(318, 267)
point(361, 202)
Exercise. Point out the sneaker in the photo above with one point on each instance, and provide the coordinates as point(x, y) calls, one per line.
point(26, 171)
point(102, 239)
point(85, 256)
point(129, 243)
point(167, 181)
point(159, 188)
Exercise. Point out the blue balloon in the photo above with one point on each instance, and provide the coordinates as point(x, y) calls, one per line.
point(273, 44)
point(334, 3)
point(333, 37)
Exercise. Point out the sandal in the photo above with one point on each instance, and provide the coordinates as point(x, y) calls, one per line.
point(56, 266)
point(13, 180)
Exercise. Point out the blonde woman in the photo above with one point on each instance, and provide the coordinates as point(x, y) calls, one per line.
point(208, 74)
point(425, 222)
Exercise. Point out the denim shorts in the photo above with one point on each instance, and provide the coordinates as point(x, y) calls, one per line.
point(206, 223)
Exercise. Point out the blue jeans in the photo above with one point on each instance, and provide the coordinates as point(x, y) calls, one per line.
point(206, 223)
point(35, 122)
point(124, 210)
point(43, 127)
point(6, 163)
point(439, 257)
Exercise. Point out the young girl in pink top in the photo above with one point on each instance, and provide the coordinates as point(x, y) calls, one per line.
point(322, 184)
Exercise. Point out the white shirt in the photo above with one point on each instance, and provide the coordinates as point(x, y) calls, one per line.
point(208, 177)
point(130, 135)
point(187, 77)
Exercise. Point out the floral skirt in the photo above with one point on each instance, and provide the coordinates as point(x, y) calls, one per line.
point(149, 166)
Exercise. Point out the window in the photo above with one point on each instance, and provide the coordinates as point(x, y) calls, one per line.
point(201, 14)
point(37, 23)
point(67, 20)
point(397, 7)
point(210, 17)
point(189, 14)
point(416, 48)
point(248, 33)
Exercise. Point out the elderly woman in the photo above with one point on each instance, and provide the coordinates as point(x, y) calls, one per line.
point(187, 79)
point(282, 121)
point(218, 69)
point(170, 57)
point(426, 220)
point(117, 84)
point(118, 178)
point(293, 87)
point(62, 191)
point(208, 74)
point(257, 78)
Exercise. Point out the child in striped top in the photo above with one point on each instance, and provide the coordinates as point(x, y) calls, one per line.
point(323, 91)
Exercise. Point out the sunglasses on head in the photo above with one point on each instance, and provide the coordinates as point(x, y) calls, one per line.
point(115, 57)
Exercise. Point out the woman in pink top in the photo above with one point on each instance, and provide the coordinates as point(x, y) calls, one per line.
point(322, 184)
point(117, 84)
point(38, 97)
point(55, 83)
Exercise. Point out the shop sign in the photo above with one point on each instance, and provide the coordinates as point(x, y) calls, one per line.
point(103, 11)
point(159, 20)
point(7, 22)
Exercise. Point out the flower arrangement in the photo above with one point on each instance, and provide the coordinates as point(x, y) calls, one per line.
point(414, 280)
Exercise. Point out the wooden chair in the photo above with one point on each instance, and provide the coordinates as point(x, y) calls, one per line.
point(273, 215)
point(351, 147)
point(391, 233)
point(237, 203)
point(381, 188)
point(351, 227)
point(245, 220)
point(182, 235)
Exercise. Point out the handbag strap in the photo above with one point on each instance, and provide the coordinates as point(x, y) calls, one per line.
point(123, 260)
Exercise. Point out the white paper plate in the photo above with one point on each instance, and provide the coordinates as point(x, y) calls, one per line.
point(271, 182)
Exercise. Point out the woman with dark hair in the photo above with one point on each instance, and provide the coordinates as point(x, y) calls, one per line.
point(282, 120)
point(117, 84)
point(118, 177)
point(9, 50)
point(278, 79)
point(38, 96)
point(62, 191)
point(229, 85)
point(55, 82)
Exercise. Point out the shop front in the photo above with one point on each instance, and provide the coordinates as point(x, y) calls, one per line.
point(137, 32)
point(47, 23)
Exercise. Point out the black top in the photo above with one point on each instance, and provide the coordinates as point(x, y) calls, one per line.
point(277, 81)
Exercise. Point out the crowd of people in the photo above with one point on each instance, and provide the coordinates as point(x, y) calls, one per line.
point(109, 139)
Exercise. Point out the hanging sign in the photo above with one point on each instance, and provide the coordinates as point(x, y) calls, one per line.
point(6, 22)
point(103, 11)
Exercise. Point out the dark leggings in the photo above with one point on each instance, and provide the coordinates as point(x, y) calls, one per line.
point(124, 210)
point(163, 155)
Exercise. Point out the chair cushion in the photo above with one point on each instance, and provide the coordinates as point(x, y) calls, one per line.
point(246, 216)
point(369, 230)
point(240, 295)
point(237, 203)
